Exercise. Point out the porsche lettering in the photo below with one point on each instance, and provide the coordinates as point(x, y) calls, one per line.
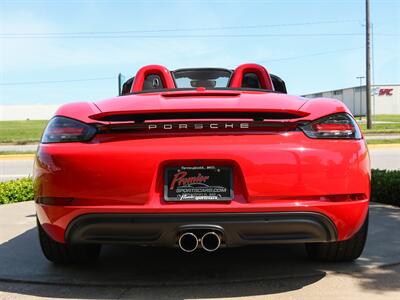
point(197, 126)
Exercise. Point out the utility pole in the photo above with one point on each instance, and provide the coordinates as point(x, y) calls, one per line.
point(368, 63)
point(373, 71)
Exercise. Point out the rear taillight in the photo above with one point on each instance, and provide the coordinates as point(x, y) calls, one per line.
point(337, 126)
point(62, 130)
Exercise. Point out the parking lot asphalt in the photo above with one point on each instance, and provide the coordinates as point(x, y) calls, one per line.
point(126, 272)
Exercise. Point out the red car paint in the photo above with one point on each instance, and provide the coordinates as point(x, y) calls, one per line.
point(273, 171)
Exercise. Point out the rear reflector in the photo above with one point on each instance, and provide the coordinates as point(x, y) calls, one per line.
point(346, 197)
point(55, 201)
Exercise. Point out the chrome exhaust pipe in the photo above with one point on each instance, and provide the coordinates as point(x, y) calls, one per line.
point(188, 242)
point(210, 241)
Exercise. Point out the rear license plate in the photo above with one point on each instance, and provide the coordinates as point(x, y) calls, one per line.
point(198, 183)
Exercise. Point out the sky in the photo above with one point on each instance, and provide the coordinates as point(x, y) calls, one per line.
point(54, 52)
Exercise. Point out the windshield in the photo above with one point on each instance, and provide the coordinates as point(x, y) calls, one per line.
point(208, 78)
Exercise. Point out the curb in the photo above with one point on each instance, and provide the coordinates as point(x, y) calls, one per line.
point(383, 146)
point(16, 156)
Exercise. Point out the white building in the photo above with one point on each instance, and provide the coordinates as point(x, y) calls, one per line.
point(27, 112)
point(385, 98)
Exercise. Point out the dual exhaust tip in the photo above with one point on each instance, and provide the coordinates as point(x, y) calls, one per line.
point(189, 242)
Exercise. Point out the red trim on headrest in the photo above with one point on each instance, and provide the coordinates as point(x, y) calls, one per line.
point(260, 71)
point(161, 71)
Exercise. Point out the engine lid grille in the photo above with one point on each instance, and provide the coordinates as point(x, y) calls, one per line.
point(199, 115)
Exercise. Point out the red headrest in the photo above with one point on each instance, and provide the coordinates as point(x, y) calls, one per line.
point(260, 71)
point(161, 71)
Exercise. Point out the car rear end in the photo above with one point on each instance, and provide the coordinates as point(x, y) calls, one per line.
point(203, 178)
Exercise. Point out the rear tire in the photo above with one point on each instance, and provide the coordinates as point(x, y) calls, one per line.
point(341, 251)
point(60, 253)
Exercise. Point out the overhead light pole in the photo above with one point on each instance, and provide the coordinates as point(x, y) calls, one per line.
point(120, 82)
point(368, 63)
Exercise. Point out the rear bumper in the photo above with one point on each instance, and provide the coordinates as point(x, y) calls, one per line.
point(237, 229)
point(300, 221)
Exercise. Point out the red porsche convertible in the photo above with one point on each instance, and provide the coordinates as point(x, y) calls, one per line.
point(202, 158)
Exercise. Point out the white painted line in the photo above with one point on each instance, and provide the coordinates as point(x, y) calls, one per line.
point(13, 176)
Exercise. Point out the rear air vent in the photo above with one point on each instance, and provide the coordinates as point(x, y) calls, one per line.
point(200, 94)
point(179, 116)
